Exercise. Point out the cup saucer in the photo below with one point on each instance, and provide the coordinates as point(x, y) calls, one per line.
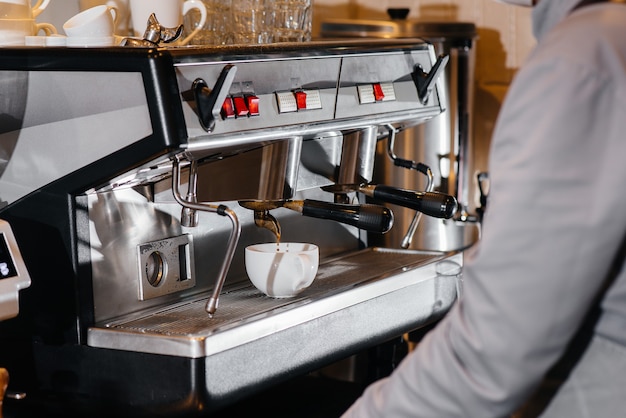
point(55, 40)
point(51, 40)
point(87, 42)
point(34, 40)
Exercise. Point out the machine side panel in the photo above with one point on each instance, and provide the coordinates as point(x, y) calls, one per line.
point(70, 119)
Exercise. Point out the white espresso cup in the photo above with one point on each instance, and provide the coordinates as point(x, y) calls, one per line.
point(282, 270)
point(123, 26)
point(15, 31)
point(21, 9)
point(169, 13)
point(95, 22)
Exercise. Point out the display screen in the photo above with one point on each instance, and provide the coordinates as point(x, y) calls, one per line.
point(7, 267)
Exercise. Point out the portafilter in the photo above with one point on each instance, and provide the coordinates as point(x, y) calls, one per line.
point(369, 217)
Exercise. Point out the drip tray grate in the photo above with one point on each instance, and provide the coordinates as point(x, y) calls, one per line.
point(340, 282)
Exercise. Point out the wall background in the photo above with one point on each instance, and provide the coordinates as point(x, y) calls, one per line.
point(504, 41)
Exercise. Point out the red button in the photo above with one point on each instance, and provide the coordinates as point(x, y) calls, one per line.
point(241, 109)
point(253, 105)
point(378, 92)
point(300, 99)
point(228, 111)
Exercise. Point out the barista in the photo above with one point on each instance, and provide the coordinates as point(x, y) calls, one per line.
point(541, 328)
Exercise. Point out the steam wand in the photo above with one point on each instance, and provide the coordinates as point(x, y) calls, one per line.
point(222, 210)
point(189, 217)
point(422, 168)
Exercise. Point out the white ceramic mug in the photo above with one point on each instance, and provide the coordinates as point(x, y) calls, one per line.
point(95, 22)
point(21, 9)
point(169, 13)
point(282, 270)
point(15, 31)
point(123, 26)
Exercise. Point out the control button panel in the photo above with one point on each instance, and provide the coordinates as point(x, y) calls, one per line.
point(268, 88)
point(297, 100)
point(376, 92)
point(241, 102)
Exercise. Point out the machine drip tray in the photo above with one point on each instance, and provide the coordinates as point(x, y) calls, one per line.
point(349, 287)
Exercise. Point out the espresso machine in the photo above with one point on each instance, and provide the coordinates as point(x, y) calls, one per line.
point(133, 178)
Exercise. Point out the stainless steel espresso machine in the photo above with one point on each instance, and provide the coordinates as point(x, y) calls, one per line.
point(134, 178)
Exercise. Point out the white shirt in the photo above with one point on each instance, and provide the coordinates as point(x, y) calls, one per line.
point(555, 221)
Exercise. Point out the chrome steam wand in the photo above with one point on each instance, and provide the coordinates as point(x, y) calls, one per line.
point(188, 216)
point(422, 168)
point(233, 239)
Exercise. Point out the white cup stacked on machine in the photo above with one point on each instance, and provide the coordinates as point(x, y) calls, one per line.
point(93, 27)
point(123, 26)
point(17, 21)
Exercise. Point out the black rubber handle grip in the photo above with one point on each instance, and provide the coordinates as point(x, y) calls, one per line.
point(438, 205)
point(369, 217)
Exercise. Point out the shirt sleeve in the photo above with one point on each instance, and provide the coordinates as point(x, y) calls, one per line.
point(555, 170)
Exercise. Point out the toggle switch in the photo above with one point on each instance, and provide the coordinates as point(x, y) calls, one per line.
point(379, 95)
point(300, 99)
point(228, 110)
point(376, 92)
point(241, 110)
point(294, 101)
point(252, 102)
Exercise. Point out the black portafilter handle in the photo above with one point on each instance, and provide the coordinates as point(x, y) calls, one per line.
point(435, 204)
point(369, 217)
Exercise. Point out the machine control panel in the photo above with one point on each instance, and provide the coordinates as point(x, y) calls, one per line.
point(376, 92)
point(290, 95)
point(300, 99)
point(13, 274)
point(242, 102)
point(240, 107)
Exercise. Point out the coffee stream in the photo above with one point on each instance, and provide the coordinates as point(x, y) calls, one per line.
point(276, 231)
